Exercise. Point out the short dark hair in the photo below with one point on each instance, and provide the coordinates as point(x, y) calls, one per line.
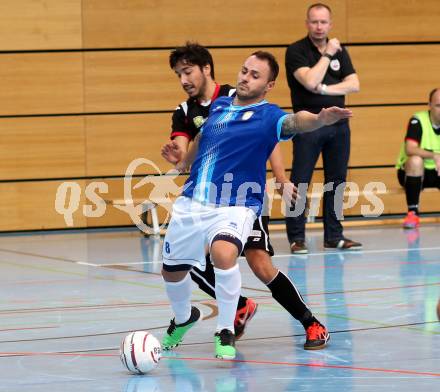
point(431, 94)
point(194, 54)
point(319, 5)
point(271, 60)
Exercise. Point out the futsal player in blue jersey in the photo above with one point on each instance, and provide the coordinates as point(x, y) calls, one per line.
point(194, 68)
point(224, 194)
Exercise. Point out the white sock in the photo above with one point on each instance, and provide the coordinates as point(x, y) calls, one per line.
point(227, 291)
point(179, 294)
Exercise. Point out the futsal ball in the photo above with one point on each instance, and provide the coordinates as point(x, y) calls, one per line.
point(140, 352)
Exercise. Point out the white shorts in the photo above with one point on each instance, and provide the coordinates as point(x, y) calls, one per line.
point(193, 226)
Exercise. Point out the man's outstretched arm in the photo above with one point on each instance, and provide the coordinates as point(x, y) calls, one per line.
point(304, 121)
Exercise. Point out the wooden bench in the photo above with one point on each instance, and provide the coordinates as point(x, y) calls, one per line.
point(148, 210)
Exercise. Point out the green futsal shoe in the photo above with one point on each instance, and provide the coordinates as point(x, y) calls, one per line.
point(175, 332)
point(224, 344)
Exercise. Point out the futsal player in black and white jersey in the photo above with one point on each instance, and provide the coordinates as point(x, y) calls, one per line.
point(194, 67)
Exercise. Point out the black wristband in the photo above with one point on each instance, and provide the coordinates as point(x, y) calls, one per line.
point(329, 56)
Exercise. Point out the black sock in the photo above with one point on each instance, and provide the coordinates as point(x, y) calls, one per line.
point(206, 281)
point(413, 187)
point(241, 302)
point(286, 294)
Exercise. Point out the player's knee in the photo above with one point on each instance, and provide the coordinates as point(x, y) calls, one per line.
point(224, 251)
point(413, 164)
point(173, 276)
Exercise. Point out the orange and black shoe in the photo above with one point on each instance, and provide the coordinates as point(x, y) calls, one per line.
point(411, 221)
point(243, 316)
point(317, 336)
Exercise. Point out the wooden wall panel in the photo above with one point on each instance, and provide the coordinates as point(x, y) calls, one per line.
point(31, 206)
point(390, 21)
point(41, 83)
point(130, 81)
point(115, 23)
point(395, 74)
point(40, 25)
point(142, 80)
point(287, 153)
point(377, 133)
point(115, 141)
point(57, 24)
point(394, 204)
point(394, 201)
point(364, 176)
point(42, 147)
point(165, 193)
point(286, 150)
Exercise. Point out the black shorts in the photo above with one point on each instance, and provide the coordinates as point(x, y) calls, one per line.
point(430, 178)
point(259, 237)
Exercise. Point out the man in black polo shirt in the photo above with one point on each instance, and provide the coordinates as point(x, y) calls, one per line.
point(320, 74)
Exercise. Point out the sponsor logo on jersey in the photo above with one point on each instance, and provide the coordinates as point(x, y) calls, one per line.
point(247, 115)
point(198, 121)
point(414, 121)
point(335, 65)
point(255, 233)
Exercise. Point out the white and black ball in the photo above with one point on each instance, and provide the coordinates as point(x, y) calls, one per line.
point(140, 352)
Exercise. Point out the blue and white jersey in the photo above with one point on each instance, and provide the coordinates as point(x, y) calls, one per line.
point(235, 143)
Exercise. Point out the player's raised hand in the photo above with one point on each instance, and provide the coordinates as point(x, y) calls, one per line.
point(331, 115)
point(172, 152)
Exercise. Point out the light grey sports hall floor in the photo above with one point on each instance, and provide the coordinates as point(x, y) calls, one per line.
point(68, 298)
